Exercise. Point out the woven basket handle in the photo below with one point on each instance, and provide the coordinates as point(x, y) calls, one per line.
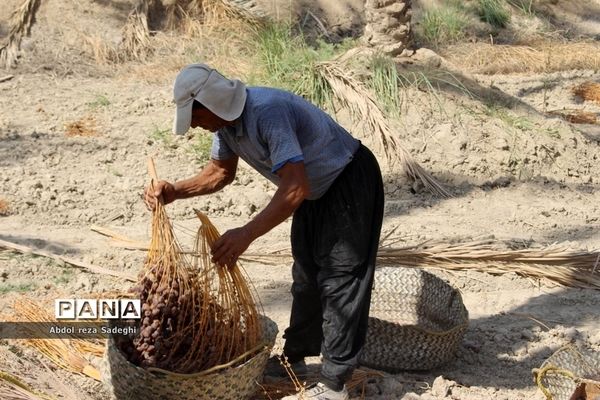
point(540, 374)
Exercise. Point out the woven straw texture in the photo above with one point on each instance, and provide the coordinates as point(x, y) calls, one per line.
point(416, 321)
point(127, 381)
point(560, 374)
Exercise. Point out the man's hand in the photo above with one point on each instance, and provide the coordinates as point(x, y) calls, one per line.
point(228, 248)
point(153, 192)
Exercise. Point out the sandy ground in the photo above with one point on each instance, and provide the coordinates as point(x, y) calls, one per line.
point(514, 174)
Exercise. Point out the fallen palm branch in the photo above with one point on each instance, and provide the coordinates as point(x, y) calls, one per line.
point(13, 388)
point(20, 25)
point(67, 353)
point(559, 263)
point(62, 259)
point(353, 96)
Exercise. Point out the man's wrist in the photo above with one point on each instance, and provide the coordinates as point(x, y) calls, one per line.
point(250, 231)
point(176, 191)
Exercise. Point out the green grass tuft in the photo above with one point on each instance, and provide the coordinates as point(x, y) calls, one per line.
point(525, 6)
point(288, 62)
point(161, 135)
point(99, 101)
point(443, 25)
point(18, 288)
point(517, 122)
point(494, 13)
point(66, 275)
point(385, 84)
point(201, 146)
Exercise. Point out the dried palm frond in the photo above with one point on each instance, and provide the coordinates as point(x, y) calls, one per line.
point(190, 17)
point(102, 51)
point(218, 11)
point(559, 263)
point(136, 34)
point(20, 25)
point(576, 116)
point(352, 95)
point(13, 388)
point(588, 91)
point(545, 57)
point(60, 350)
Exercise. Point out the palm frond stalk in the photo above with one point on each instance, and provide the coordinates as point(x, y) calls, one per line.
point(352, 95)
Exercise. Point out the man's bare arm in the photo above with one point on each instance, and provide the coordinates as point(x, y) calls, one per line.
point(214, 176)
point(292, 191)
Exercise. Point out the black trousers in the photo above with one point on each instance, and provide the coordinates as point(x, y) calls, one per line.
point(334, 243)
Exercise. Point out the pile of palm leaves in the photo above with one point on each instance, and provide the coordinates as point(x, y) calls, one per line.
point(68, 353)
point(186, 16)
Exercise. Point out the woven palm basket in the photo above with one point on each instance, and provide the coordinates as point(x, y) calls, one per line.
point(417, 321)
point(559, 376)
point(236, 380)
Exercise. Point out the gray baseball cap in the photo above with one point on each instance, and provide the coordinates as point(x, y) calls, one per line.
point(223, 97)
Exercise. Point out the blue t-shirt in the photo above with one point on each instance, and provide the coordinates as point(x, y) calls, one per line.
point(278, 127)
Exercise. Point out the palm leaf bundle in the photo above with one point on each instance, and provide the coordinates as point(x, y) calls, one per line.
point(236, 320)
point(195, 315)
